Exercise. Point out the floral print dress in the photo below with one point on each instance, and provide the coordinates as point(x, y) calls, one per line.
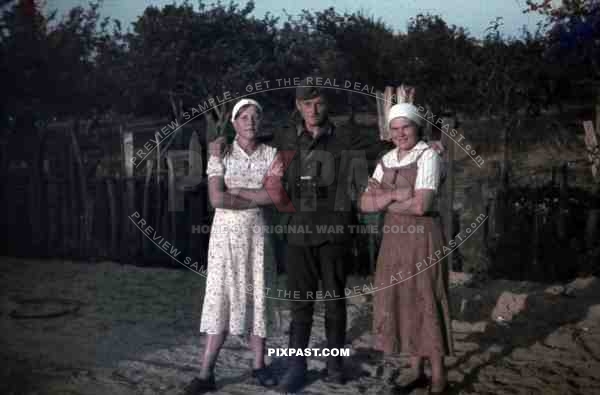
point(238, 276)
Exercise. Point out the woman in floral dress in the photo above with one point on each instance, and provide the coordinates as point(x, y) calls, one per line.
point(241, 180)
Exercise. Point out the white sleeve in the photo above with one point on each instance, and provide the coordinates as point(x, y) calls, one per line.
point(429, 171)
point(215, 167)
point(377, 175)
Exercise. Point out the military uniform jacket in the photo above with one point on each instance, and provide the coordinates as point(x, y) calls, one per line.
point(323, 183)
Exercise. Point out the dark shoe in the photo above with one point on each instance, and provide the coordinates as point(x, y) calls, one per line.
point(335, 371)
point(438, 388)
point(264, 377)
point(200, 386)
point(412, 382)
point(335, 377)
point(294, 378)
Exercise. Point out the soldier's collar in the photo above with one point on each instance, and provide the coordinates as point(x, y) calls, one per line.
point(329, 127)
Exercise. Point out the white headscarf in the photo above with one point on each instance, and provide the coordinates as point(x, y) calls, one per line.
point(242, 103)
point(405, 110)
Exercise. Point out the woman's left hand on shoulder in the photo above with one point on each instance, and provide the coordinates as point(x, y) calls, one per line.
point(437, 146)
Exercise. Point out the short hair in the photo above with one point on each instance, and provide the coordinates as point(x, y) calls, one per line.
point(308, 90)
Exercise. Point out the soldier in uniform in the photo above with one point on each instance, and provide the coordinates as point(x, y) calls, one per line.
point(319, 181)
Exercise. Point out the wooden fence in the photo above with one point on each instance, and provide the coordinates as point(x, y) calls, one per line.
point(75, 200)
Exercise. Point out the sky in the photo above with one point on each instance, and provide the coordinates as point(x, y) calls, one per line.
point(474, 15)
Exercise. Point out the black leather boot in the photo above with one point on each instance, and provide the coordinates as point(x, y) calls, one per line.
point(335, 330)
point(335, 371)
point(295, 376)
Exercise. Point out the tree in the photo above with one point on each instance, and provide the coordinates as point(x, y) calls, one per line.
point(23, 62)
point(362, 52)
point(437, 58)
point(572, 36)
point(181, 57)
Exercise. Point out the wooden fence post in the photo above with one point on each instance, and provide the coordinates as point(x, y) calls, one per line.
point(448, 187)
point(494, 175)
point(130, 234)
point(73, 207)
point(384, 102)
point(84, 208)
point(159, 225)
point(174, 199)
point(535, 244)
point(563, 202)
point(37, 189)
point(195, 156)
point(593, 149)
point(146, 207)
point(114, 218)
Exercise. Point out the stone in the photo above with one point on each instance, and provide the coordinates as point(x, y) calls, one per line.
point(509, 305)
point(461, 279)
point(469, 327)
point(555, 290)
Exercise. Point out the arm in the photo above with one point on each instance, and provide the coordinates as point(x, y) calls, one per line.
point(418, 205)
point(376, 199)
point(426, 185)
point(272, 191)
point(260, 196)
point(215, 170)
point(220, 198)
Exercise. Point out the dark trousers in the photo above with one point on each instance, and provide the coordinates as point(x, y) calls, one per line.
point(306, 265)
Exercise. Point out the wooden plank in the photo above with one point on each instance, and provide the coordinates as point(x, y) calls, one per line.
point(158, 190)
point(127, 151)
point(563, 202)
point(449, 185)
point(591, 228)
point(114, 218)
point(381, 119)
point(82, 182)
point(405, 94)
point(175, 198)
point(74, 203)
point(36, 190)
point(384, 133)
point(593, 150)
point(145, 207)
point(129, 230)
point(159, 169)
point(195, 156)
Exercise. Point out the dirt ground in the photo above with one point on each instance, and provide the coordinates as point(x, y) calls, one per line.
point(134, 330)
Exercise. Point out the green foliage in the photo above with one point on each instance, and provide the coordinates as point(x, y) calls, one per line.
point(59, 69)
point(179, 55)
point(572, 37)
point(438, 59)
point(191, 55)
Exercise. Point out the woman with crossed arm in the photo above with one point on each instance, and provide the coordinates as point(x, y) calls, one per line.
point(240, 181)
point(411, 313)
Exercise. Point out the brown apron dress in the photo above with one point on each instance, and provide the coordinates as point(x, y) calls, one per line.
point(411, 316)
